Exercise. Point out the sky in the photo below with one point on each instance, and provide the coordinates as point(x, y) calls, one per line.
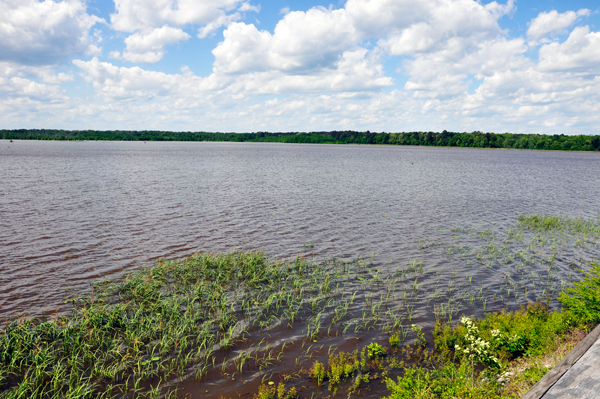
point(252, 65)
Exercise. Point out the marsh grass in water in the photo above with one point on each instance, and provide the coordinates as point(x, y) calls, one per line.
point(157, 324)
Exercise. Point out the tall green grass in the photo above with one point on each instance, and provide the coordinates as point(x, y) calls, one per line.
point(152, 326)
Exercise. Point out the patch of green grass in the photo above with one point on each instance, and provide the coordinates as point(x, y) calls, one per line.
point(554, 222)
point(583, 300)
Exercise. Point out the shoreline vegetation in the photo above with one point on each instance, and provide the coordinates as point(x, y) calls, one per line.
point(187, 320)
point(444, 139)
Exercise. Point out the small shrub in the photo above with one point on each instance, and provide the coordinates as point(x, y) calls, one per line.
point(420, 340)
point(395, 340)
point(416, 383)
point(375, 350)
point(476, 348)
point(342, 365)
point(583, 300)
point(318, 372)
point(265, 392)
point(283, 394)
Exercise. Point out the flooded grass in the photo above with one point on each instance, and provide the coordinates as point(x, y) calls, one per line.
point(216, 324)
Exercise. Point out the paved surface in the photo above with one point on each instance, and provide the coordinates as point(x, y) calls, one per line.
point(576, 376)
point(582, 380)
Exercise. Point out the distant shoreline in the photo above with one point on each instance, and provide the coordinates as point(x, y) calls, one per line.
point(422, 139)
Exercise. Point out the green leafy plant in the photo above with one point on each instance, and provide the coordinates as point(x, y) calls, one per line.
point(318, 372)
point(475, 347)
point(583, 300)
point(420, 340)
point(342, 365)
point(375, 350)
point(395, 340)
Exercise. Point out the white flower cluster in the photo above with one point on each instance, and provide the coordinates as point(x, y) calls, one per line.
point(477, 348)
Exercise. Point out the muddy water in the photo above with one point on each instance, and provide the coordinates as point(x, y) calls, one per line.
point(72, 212)
point(75, 212)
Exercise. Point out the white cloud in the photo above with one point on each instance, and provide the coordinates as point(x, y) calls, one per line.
point(48, 32)
point(134, 15)
point(449, 43)
point(355, 71)
point(445, 21)
point(249, 7)
point(222, 20)
point(580, 53)
point(31, 95)
point(553, 23)
point(123, 83)
point(301, 41)
point(307, 52)
point(153, 21)
point(148, 47)
point(379, 17)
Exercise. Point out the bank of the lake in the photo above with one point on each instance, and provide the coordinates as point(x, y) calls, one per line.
point(444, 139)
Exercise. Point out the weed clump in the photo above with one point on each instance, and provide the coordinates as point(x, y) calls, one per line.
point(266, 391)
point(375, 350)
point(583, 300)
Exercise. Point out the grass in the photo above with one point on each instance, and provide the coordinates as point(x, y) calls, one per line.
point(555, 222)
point(155, 324)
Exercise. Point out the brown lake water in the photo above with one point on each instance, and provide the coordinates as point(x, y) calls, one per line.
point(71, 212)
point(74, 212)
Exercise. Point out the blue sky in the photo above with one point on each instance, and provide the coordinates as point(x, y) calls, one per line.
point(247, 65)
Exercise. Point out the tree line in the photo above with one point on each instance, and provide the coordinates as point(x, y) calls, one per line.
point(443, 139)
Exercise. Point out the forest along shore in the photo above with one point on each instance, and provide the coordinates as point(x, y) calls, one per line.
point(444, 139)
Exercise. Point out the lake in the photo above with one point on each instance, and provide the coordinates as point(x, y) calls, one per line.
point(71, 212)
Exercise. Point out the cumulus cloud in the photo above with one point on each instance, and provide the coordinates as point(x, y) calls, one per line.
point(148, 47)
point(134, 15)
point(354, 71)
point(32, 96)
point(48, 32)
point(553, 23)
point(450, 43)
point(308, 51)
point(323, 68)
point(249, 7)
point(123, 83)
point(446, 21)
point(301, 41)
point(152, 22)
point(448, 18)
point(211, 27)
point(580, 53)
point(442, 36)
point(144, 15)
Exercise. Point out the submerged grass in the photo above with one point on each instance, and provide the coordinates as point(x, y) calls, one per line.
point(152, 326)
point(555, 222)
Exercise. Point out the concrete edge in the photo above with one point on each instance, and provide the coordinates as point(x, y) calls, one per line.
point(543, 385)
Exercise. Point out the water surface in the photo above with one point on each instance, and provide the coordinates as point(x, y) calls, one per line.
point(71, 212)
